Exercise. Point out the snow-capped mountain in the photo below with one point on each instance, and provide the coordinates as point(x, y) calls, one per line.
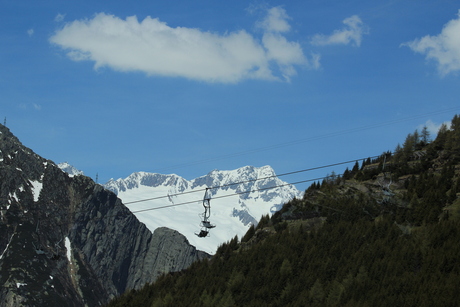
point(233, 210)
point(69, 169)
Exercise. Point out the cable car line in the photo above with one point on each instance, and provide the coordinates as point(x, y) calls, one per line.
point(206, 225)
point(229, 195)
point(251, 180)
point(238, 193)
point(293, 172)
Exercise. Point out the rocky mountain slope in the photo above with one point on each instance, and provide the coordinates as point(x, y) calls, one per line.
point(66, 241)
point(234, 207)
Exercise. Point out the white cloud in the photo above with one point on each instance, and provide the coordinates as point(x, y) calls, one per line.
point(30, 32)
point(28, 106)
point(151, 46)
point(315, 58)
point(352, 33)
point(275, 21)
point(59, 17)
point(443, 48)
point(283, 52)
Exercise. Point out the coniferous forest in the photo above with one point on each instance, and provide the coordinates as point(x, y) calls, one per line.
point(384, 233)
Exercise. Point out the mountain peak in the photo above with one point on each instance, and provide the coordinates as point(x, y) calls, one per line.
point(143, 179)
point(69, 169)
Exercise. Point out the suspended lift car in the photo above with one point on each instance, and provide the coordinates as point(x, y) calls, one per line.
point(205, 223)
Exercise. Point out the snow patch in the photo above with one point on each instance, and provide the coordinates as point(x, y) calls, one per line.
point(20, 284)
point(68, 247)
point(6, 248)
point(36, 189)
point(14, 196)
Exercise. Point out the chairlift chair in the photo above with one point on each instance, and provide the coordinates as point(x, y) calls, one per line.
point(203, 233)
point(205, 223)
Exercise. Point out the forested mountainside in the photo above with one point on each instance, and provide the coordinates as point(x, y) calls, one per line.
point(67, 241)
point(385, 233)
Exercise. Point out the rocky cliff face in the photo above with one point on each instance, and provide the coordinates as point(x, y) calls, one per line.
point(67, 241)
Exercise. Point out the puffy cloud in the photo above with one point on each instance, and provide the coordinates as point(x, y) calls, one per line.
point(283, 52)
point(352, 33)
point(276, 20)
point(151, 46)
point(443, 48)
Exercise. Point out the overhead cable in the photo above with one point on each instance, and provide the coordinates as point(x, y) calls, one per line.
point(229, 195)
point(251, 180)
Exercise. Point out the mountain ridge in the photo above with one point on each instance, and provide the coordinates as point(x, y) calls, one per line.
point(65, 240)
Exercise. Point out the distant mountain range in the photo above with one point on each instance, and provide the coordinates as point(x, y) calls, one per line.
point(233, 210)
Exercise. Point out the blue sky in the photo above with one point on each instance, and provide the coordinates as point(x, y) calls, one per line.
point(185, 87)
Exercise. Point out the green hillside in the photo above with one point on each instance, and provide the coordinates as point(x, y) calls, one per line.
point(384, 233)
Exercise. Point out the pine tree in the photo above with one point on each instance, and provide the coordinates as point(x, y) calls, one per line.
point(409, 145)
point(355, 168)
point(249, 234)
point(425, 136)
point(316, 292)
point(286, 268)
point(440, 141)
point(453, 139)
point(335, 292)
